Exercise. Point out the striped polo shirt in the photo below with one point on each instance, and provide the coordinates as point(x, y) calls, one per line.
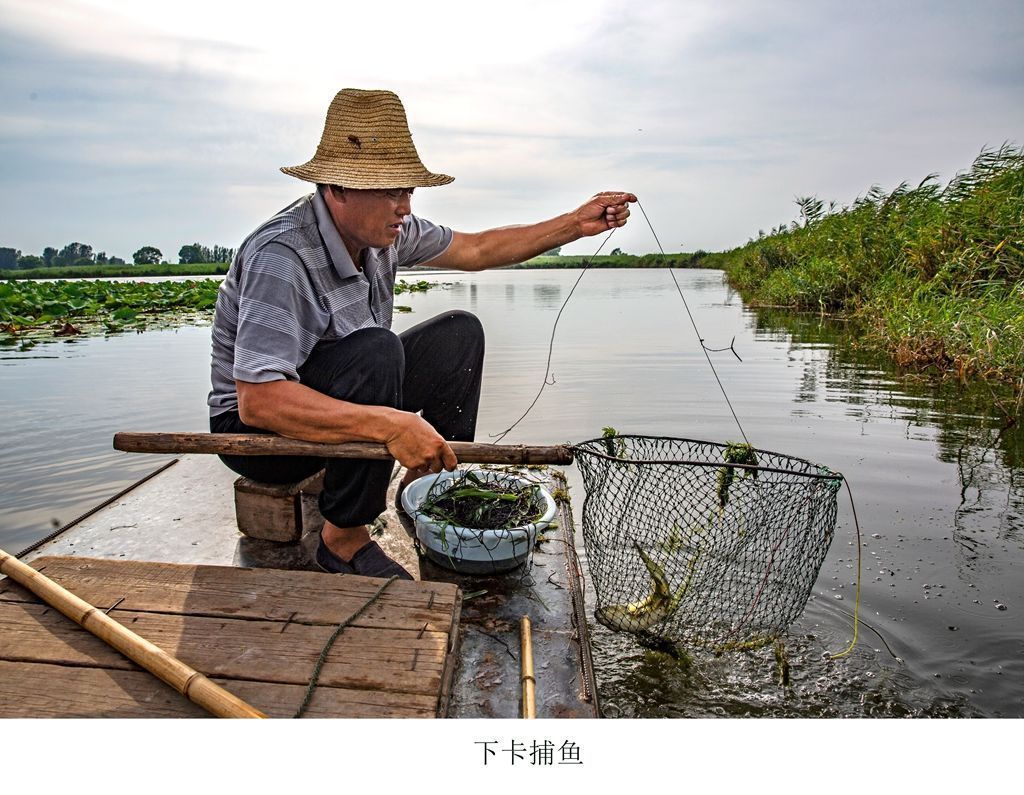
point(293, 283)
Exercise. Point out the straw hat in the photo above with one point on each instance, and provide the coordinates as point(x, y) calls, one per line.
point(367, 144)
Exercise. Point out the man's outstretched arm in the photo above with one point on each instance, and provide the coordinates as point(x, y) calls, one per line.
point(510, 244)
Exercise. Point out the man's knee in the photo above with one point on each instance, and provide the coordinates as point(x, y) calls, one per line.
point(366, 366)
point(377, 345)
point(465, 328)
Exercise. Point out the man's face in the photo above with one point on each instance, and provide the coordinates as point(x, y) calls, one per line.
point(369, 218)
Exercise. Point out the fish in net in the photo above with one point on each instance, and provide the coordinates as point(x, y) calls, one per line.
point(699, 543)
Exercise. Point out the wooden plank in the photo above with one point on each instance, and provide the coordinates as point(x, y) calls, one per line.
point(450, 664)
point(35, 690)
point(378, 659)
point(191, 683)
point(297, 596)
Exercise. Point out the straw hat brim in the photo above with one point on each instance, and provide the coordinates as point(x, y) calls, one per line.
point(367, 175)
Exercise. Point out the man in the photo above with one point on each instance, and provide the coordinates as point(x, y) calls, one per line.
point(302, 344)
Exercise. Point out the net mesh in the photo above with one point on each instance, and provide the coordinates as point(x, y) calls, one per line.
point(699, 543)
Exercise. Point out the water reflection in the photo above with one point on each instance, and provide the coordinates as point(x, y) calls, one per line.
point(935, 469)
point(973, 426)
point(547, 295)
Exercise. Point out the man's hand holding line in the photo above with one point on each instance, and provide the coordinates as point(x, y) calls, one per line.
point(603, 212)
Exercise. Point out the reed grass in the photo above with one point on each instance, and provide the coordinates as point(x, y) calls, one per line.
point(933, 275)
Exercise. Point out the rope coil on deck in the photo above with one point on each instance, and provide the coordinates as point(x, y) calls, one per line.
point(318, 666)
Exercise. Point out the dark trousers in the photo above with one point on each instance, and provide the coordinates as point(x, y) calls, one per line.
point(434, 367)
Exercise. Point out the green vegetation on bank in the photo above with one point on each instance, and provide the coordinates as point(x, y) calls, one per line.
point(933, 276)
point(34, 310)
point(618, 260)
point(681, 260)
point(116, 271)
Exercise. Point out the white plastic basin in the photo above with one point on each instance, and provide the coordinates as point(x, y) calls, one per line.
point(470, 550)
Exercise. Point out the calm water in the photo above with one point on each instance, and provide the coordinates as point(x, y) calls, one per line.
point(936, 474)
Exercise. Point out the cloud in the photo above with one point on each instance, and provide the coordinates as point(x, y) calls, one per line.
point(119, 153)
point(123, 124)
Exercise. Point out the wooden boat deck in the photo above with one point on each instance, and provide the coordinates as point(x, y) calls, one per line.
point(171, 548)
point(256, 632)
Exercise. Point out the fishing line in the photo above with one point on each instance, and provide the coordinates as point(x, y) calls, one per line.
point(696, 331)
point(314, 679)
point(551, 343)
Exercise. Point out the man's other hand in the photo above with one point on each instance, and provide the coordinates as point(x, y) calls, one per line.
point(417, 446)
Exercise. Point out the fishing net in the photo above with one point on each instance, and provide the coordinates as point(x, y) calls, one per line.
point(699, 543)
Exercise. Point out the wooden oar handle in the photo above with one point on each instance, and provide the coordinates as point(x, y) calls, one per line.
point(269, 444)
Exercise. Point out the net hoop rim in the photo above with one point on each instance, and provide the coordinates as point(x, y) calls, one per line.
point(579, 450)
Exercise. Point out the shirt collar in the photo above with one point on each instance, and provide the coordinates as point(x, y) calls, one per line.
point(339, 255)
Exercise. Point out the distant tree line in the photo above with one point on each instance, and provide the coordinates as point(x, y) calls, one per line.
point(71, 254)
point(81, 254)
point(196, 252)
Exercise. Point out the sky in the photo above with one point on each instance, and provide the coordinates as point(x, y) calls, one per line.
point(130, 123)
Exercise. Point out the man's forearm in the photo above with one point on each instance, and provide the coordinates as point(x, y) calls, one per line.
point(298, 412)
point(508, 245)
point(511, 244)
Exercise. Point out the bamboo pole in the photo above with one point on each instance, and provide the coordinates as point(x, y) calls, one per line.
point(270, 444)
point(526, 678)
point(187, 681)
